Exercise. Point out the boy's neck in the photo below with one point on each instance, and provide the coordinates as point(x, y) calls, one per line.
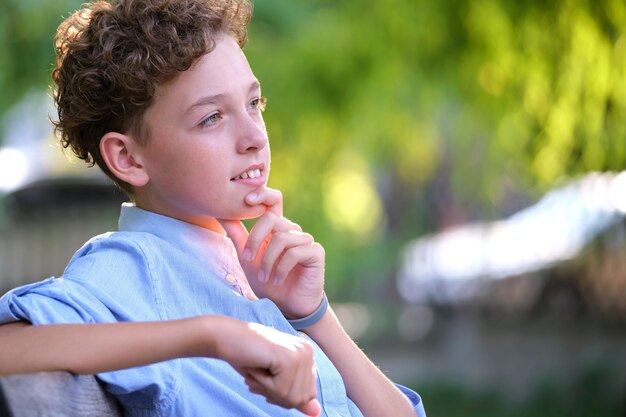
point(145, 201)
point(206, 222)
point(209, 223)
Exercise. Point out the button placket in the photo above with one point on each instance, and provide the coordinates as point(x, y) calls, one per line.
point(230, 270)
point(234, 274)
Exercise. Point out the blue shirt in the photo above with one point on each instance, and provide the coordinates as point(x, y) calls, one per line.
point(159, 268)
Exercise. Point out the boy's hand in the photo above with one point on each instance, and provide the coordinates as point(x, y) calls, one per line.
point(276, 365)
point(282, 262)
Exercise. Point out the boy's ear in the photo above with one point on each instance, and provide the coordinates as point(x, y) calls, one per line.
point(119, 152)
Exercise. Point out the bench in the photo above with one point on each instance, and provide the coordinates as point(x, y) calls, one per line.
point(55, 394)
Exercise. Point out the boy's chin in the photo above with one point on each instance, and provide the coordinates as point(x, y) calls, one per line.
point(250, 213)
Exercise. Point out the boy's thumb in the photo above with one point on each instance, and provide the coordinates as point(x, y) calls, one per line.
point(312, 408)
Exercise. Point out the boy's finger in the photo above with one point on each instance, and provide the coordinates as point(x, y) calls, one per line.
point(312, 408)
point(269, 197)
point(264, 228)
point(237, 232)
point(278, 247)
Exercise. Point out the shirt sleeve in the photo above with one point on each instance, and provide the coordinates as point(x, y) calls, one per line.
point(109, 279)
point(415, 399)
point(94, 293)
point(51, 301)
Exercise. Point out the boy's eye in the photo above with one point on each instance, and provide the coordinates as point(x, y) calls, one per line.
point(259, 103)
point(211, 120)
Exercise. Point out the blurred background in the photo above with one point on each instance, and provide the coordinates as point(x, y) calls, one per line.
point(460, 161)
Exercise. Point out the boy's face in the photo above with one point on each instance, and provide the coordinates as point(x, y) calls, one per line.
point(208, 145)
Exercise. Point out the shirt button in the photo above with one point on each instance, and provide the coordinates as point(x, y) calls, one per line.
point(230, 278)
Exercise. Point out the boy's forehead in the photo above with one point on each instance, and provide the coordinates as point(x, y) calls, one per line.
point(225, 67)
point(216, 75)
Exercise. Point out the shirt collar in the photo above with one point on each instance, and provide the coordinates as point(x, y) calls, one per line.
point(179, 233)
point(214, 250)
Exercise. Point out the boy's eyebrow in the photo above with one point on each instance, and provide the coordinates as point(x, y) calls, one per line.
point(214, 98)
point(203, 101)
point(255, 85)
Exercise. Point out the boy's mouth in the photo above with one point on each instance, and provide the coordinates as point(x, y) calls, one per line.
point(254, 171)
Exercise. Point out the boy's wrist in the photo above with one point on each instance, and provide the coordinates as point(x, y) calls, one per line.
point(205, 334)
point(313, 318)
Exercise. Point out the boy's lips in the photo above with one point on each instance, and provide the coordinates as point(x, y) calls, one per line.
point(253, 175)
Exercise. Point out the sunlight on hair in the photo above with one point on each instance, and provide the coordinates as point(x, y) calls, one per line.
point(13, 169)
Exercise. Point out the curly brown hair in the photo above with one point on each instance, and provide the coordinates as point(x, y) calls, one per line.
point(111, 57)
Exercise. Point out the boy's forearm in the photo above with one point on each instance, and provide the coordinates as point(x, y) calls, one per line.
point(279, 361)
point(93, 348)
point(366, 385)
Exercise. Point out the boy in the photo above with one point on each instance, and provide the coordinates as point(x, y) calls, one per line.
point(159, 94)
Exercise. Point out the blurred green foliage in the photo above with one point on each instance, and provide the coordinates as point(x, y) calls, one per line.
point(590, 393)
point(450, 401)
point(439, 107)
point(387, 118)
point(27, 30)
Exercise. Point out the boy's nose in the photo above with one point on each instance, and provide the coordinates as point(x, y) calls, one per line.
point(252, 136)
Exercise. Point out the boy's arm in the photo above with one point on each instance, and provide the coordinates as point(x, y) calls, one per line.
point(287, 266)
point(366, 385)
point(275, 365)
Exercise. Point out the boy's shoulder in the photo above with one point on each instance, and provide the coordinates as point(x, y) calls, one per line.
point(111, 276)
point(134, 253)
point(121, 241)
